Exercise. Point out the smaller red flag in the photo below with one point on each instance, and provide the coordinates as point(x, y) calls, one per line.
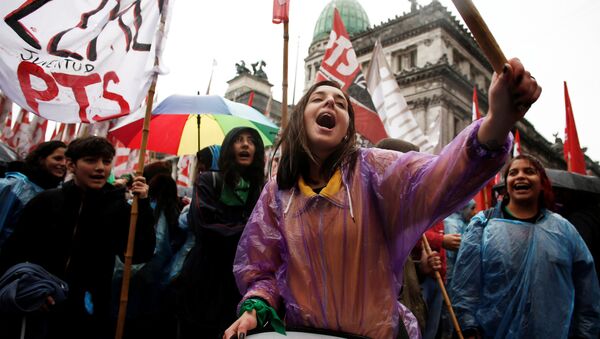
point(59, 130)
point(7, 132)
point(69, 133)
point(572, 151)
point(38, 130)
point(476, 115)
point(251, 99)
point(281, 10)
point(517, 146)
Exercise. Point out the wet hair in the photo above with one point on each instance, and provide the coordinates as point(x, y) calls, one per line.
point(231, 171)
point(42, 151)
point(546, 198)
point(32, 167)
point(397, 145)
point(157, 168)
point(163, 190)
point(204, 157)
point(207, 159)
point(90, 146)
point(296, 155)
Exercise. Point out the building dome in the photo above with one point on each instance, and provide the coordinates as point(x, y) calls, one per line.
point(354, 16)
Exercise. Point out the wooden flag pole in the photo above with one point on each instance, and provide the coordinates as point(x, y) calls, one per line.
point(139, 170)
point(284, 105)
point(482, 33)
point(133, 219)
point(440, 282)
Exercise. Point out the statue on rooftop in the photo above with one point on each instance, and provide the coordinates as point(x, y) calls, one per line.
point(241, 68)
point(413, 5)
point(259, 72)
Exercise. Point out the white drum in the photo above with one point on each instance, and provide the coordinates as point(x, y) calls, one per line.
point(291, 335)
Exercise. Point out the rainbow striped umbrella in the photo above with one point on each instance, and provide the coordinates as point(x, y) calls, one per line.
point(184, 124)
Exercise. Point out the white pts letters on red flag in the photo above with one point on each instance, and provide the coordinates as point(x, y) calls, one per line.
point(78, 61)
point(341, 65)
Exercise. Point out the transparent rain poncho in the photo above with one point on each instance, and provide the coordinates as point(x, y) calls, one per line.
point(334, 260)
point(15, 191)
point(515, 279)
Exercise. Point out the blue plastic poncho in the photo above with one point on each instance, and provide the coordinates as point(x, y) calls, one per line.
point(515, 279)
point(456, 223)
point(15, 191)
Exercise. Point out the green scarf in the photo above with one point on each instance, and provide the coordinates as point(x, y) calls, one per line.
point(264, 314)
point(236, 196)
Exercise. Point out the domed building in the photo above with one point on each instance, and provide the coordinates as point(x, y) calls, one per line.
point(355, 19)
point(437, 63)
point(435, 60)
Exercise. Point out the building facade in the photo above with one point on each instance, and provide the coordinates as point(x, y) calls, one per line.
point(437, 64)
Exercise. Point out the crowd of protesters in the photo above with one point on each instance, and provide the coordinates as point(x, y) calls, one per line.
point(331, 242)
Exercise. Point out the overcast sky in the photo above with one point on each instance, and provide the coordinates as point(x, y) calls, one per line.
point(557, 40)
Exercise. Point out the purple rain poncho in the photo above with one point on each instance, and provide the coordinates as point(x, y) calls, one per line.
point(335, 259)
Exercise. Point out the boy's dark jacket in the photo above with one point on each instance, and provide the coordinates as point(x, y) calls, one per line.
point(76, 236)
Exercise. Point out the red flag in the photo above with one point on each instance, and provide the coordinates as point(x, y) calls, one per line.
point(5, 118)
point(573, 154)
point(281, 10)
point(38, 130)
point(476, 114)
point(7, 132)
point(341, 65)
point(21, 139)
point(483, 199)
point(121, 159)
point(185, 170)
point(251, 99)
point(517, 146)
point(5, 108)
point(69, 133)
point(59, 130)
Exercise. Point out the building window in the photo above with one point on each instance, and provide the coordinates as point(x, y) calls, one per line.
point(412, 58)
point(405, 60)
point(457, 126)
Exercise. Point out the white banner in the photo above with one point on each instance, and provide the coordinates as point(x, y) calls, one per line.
point(391, 106)
point(79, 60)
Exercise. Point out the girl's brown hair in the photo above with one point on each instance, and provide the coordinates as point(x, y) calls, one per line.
point(296, 155)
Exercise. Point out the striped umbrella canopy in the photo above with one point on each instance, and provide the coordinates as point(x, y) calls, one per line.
point(185, 124)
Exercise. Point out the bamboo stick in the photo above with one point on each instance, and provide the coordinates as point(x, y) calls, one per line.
point(440, 282)
point(139, 170)
point(482, 33)
point(133, 219)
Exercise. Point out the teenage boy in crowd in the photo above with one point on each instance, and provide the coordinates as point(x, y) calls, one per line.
point(74, 232)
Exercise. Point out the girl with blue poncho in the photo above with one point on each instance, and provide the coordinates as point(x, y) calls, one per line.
point(44, 168)
point(523, 271)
